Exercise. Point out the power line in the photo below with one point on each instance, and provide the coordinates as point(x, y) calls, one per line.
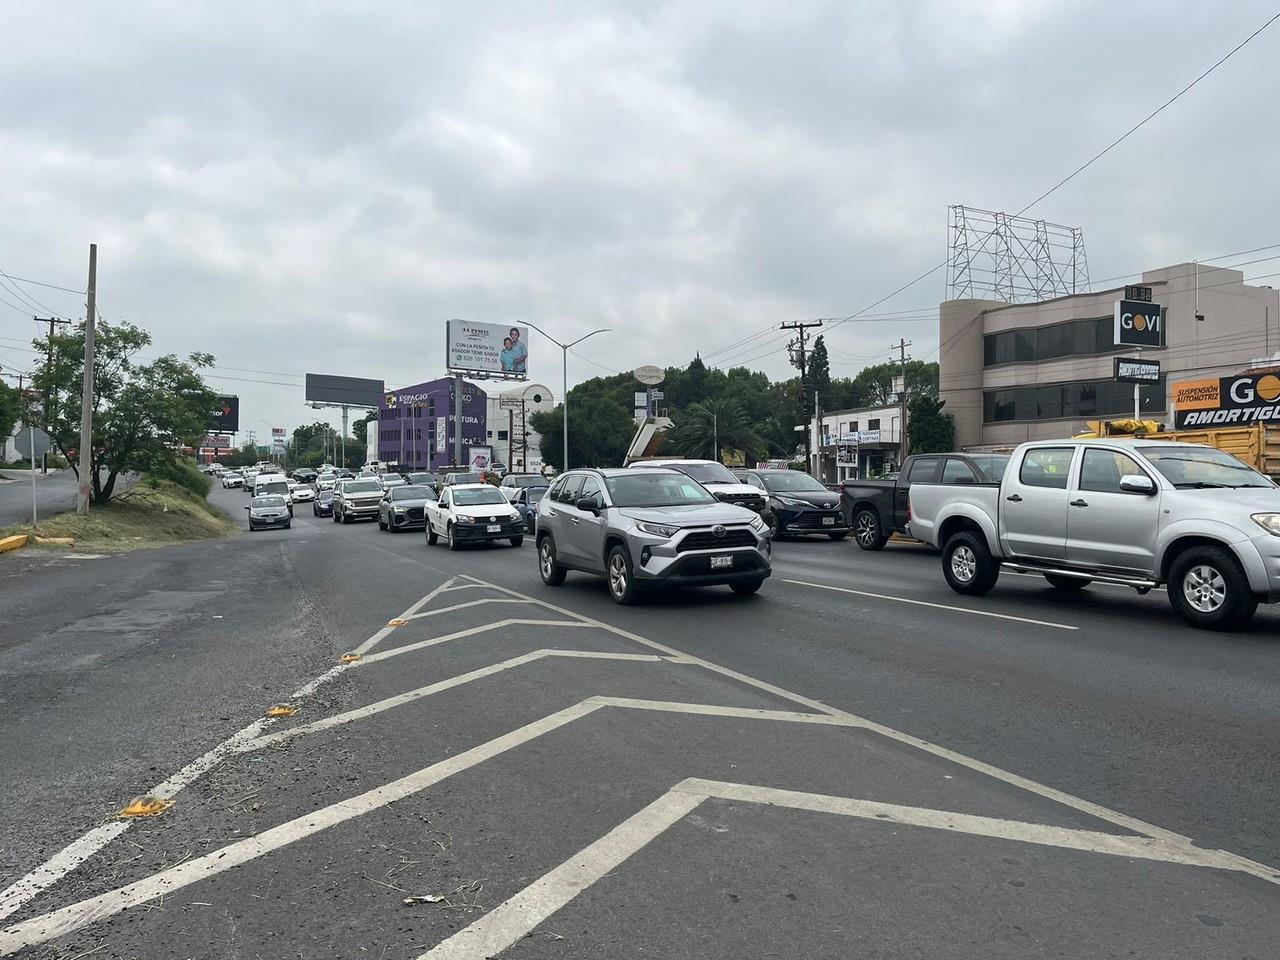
point(41, 283)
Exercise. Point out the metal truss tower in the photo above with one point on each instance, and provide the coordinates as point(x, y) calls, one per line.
point(994, 256)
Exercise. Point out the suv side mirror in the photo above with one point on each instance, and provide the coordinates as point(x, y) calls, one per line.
point(246, 506)
point(591, 504)
point(1137, 483)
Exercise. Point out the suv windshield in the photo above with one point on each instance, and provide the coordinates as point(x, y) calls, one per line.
point(422, 478)
point(473, 498)
point(791, 480)
point(647, 489)
point(361, 486)
point(1200, 467)
point(411, 493)
point(531, 480)
point(705, 472)
point(272, 501)
point(465, 478)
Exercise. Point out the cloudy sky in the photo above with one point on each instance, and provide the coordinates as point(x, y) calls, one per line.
point(318, 186)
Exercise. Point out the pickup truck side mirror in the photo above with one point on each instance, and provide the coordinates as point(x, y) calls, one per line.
point(1137, 483)
point(591, 504)
point(246, 506)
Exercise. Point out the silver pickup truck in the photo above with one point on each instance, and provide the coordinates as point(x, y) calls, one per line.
point(1142, 513)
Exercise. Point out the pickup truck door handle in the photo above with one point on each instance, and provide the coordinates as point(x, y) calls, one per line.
point(1079, 503)
point(1014, 498)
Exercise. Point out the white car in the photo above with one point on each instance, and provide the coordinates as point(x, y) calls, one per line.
point(389, 480)
point(720, 483)
point(231, 479)
point(326, 481)
point(473, 513)
point(301, 492)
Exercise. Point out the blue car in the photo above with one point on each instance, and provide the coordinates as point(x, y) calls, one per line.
point(526, 500)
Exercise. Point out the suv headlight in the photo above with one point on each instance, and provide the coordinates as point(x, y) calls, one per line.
point(792, 502)
point(1269, 522)
point(758, 525)
point(663, 530)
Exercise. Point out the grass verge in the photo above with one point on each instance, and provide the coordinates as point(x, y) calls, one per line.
point(152, 513)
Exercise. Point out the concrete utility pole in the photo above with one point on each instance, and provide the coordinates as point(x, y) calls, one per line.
point(86, 397)
point(901, 347)
point(799, 358)
point(457, 420)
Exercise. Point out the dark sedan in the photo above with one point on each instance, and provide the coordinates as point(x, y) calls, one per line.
point(526, 502)
point(270, 510)
point(322, 505)
point(402, 508)
point(798, 504)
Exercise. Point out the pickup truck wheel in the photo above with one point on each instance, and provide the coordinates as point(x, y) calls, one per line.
point(866, 530)
point(450, 539)
point(1208, 589)
point(968, 565)
point(1066, 583)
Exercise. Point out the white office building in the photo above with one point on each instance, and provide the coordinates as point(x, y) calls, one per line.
point(512, 437)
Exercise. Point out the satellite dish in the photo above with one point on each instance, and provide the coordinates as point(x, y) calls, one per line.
point(649, 374)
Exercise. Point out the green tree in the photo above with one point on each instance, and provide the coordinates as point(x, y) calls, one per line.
point(704, 425)
point(876, 381)
point(929, 429)
point(599, 432)
point(819, 376)
point(10, 409)
point(143, 413)
point(360, 429)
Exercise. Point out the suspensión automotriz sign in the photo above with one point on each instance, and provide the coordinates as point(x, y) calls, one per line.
point(1227, 401)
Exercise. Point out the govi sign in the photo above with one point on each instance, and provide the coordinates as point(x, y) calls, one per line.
point(1139, 324)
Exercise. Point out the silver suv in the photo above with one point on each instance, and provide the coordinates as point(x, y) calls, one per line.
point(651, 527)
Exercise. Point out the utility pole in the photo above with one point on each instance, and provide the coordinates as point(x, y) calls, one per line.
point(901, 347)
point(86, 397)
point(511, 437)
point(800, 359)
point(48, 412)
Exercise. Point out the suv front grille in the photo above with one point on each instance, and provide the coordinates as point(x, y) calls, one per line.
point(706, 540)
point(749, 500)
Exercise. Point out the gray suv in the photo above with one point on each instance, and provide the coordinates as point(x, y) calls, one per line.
point(640, 528)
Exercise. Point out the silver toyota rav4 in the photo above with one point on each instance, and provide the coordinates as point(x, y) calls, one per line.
point(639, 528)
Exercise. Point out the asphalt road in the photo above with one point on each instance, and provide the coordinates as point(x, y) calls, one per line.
point(55, 492)
point(855, 762)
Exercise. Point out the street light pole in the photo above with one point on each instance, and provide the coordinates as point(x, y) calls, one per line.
point(564, 380)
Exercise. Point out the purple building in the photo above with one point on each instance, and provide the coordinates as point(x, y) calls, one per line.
point(416, 425)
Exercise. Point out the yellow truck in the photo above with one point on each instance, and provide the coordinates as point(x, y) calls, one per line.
point(1257, 445)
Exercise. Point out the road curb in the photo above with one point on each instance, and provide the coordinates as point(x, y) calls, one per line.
point(14, 542)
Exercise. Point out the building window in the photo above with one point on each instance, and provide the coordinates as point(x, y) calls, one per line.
point(1055, 401)
point(873, 424)
point(502, 434)
point(1074, 338)
point(853, 426)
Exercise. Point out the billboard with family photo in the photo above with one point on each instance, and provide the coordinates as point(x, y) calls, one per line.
point(497, 349)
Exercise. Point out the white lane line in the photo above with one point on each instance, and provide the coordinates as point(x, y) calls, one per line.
point(70, 918)
point(59, 865)
point(521, 914)
point(1124, 820)
point(459, 634)
point(359, 713)
point(13, 897)
point(673, 652)
point(936, 606)
point(507, 923)
point(462, 606)
point(386, 631)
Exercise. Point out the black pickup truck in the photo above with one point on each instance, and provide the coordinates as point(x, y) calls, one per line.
point(876, 509)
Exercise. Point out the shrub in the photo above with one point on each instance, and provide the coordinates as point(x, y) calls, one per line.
point(185, 475)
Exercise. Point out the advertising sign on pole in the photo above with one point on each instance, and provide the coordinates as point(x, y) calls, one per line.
point(487, 349)
point(649, 374)
point(1139, 324)
point(479, 458)
point(226, 418)
point(1133, 370)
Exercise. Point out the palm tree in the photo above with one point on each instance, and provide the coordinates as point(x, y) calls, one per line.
point(706, 428)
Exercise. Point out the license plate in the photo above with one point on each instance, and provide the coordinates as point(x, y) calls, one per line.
point(722, 563)
point(828, 521)
point(494, 528)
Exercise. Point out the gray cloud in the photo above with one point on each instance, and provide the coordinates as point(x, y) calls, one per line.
point(295, 187)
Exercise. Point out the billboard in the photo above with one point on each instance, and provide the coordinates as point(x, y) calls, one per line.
point(492, 349)
point(1139, 324)
point(226, 419)
point(479, 458)
point(346, 391)
point(1234, 401)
